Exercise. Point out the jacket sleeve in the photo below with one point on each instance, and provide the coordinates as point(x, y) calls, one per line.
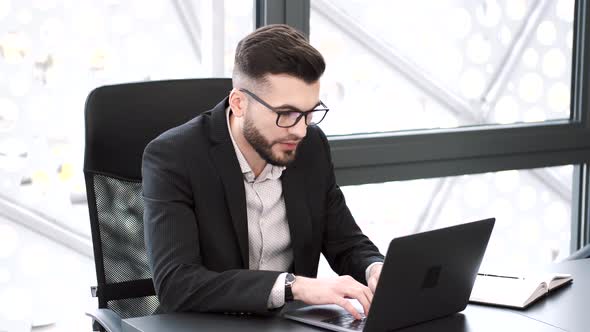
point(346, 248)
point(171, 232)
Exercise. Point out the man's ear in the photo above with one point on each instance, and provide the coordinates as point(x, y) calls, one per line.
point(238, 102)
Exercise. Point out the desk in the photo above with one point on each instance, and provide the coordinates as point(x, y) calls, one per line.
point(563, 310)
point(567, 307)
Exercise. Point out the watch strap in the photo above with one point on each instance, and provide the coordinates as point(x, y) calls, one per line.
point(289, 280)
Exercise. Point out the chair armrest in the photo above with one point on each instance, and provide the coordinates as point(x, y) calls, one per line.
point(107, 319)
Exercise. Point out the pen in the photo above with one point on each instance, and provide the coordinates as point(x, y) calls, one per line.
point(495, 275)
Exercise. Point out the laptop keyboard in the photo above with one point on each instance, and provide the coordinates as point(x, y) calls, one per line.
point(347, 321)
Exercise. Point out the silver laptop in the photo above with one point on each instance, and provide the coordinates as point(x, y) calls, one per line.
point(425, 276)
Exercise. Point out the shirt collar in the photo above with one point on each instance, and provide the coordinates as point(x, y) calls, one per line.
point(270, 172)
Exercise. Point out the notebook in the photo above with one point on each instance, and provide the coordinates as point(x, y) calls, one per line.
point(425, 276)
point(516, 292)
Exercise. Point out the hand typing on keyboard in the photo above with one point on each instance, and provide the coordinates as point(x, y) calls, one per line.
point(333, 290)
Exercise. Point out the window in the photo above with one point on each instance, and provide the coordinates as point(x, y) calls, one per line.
point(430, 93)
point(395, 65)
point(53, 53)
point(43, 282)
point(532, 210)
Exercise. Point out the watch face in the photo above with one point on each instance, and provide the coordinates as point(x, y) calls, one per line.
point(290, 278)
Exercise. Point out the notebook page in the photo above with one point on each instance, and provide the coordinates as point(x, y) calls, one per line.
point(505, 291)
point(557, 279)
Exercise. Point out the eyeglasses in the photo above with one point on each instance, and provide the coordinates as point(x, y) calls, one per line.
point(290, 116)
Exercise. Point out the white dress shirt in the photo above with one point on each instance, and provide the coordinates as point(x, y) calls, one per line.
point(269, 239)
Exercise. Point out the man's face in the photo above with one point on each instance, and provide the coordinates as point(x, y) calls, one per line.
point(274, 144)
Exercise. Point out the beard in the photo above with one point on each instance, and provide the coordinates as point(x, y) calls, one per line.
point(264, 148)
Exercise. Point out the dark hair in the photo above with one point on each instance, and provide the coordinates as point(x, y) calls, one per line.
point(278, 49)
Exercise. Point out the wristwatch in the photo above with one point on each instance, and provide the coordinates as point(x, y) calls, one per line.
point(289, 281)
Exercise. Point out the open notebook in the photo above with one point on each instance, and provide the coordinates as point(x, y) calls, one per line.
point(517, 292)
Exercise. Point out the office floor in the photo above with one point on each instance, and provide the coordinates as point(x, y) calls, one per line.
point(43, 282)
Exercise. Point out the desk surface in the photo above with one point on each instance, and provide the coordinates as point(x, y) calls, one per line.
point(567, 307)
point(472, 319)
point(563, 310)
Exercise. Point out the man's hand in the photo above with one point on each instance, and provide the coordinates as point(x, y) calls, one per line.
point(334, 290)
point(374, 275)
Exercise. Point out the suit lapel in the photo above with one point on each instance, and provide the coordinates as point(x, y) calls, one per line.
point(297, 216)
point(226, 162)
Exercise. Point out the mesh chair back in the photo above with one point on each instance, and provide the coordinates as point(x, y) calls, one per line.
point(120, 121)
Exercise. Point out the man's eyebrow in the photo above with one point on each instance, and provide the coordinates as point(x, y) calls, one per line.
point(295, 108)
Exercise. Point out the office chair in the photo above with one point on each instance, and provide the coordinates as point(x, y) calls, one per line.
point(582, 253)
point(120, 121)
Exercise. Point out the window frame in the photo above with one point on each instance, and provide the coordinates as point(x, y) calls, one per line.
point(413, 154)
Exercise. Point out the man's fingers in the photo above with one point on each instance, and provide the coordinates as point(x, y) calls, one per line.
point(344, 303)
point(364, 299)
point(372, 285)
point(336, 291)
point(368, 291)
point(369, 294)
point(359, 292)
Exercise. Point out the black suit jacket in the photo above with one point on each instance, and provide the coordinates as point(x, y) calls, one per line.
point(195, 219)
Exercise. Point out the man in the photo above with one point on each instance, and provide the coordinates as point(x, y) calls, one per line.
point(240, 201)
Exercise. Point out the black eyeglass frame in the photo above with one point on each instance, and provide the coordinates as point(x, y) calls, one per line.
point(325, 109)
